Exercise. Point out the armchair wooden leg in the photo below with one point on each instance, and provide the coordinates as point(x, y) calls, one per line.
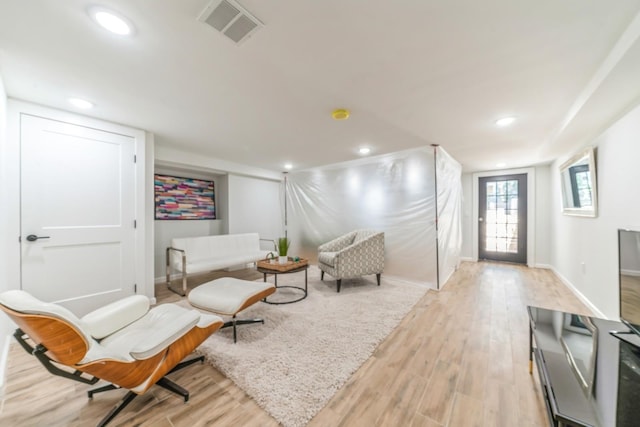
point(339, 282)
point(321, 275)
point(378, 278)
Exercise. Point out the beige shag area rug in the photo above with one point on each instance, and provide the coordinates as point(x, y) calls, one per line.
point(294, 363)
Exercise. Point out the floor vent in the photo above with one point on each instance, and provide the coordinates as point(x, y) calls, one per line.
point(231, 19)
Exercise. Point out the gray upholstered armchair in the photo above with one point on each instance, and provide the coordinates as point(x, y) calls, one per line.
point(355, 254)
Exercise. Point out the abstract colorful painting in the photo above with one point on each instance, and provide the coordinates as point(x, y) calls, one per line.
point(184, 198)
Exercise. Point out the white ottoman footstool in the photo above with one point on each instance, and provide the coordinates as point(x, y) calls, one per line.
point(228, 296)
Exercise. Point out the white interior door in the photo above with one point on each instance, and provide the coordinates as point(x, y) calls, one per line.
point(77, 213)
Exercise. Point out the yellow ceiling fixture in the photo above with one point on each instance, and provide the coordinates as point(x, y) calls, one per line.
point(340, 114)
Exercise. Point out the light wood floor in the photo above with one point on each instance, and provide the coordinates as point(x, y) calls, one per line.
point(459, 358)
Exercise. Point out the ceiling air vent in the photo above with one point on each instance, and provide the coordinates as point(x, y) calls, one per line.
point(231, 19)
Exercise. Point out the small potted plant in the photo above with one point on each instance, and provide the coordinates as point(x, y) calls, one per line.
point(283, 248)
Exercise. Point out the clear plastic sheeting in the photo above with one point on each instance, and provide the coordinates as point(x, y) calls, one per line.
point(449, 201)
point(394, 193)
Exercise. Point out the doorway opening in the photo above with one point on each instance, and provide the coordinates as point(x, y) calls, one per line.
point(502, 218)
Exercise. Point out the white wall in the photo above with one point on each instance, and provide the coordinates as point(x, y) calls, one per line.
point(255, 205)
point(543, 216)
point(176, 158)
point(149, 214)
point(467, 217)
point(166, 230)
point(6, 326)
point(584, 251)
point(222, 200)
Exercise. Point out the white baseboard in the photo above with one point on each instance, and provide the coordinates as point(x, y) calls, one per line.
point(579, 294)
point(445, 281)
point(468, 259)
point(544, 266)
point(163, 279)
point(634, 273)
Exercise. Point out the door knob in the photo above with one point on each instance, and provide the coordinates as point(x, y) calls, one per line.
point(480, 219)
point(33, 237)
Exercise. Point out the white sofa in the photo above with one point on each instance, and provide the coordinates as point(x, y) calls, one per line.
point(190, 255)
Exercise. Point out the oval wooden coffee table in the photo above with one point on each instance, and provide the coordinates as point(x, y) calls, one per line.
point(291, 267)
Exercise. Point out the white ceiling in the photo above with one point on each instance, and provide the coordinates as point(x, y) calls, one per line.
point(412, 72)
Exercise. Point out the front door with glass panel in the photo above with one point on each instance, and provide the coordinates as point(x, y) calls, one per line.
point(502, 220)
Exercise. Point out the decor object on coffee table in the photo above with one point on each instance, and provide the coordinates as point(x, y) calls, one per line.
point(354, 254)
point(124, 343)
point(283, 249)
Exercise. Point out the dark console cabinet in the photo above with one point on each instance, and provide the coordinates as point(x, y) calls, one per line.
point(587, 376)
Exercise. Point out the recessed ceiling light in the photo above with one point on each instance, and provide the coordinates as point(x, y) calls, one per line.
point(112, 21)
point(288, 166)
point(501, 165)
point(80, 103)
point(364, 150)
point(505, 121)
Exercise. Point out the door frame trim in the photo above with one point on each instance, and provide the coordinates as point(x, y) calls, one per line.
point(531, 209)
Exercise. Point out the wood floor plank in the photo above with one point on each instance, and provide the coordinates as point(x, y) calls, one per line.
point(459, 356)
point(466, 412)
point(531, 407)
point(438, 398)
point(420, 420)
point(501, 361)
point(405, 396)
point(473, 378)
point(501, 404)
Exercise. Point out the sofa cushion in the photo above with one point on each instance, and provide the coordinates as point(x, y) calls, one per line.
point(328, 258)
point(223, 261)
